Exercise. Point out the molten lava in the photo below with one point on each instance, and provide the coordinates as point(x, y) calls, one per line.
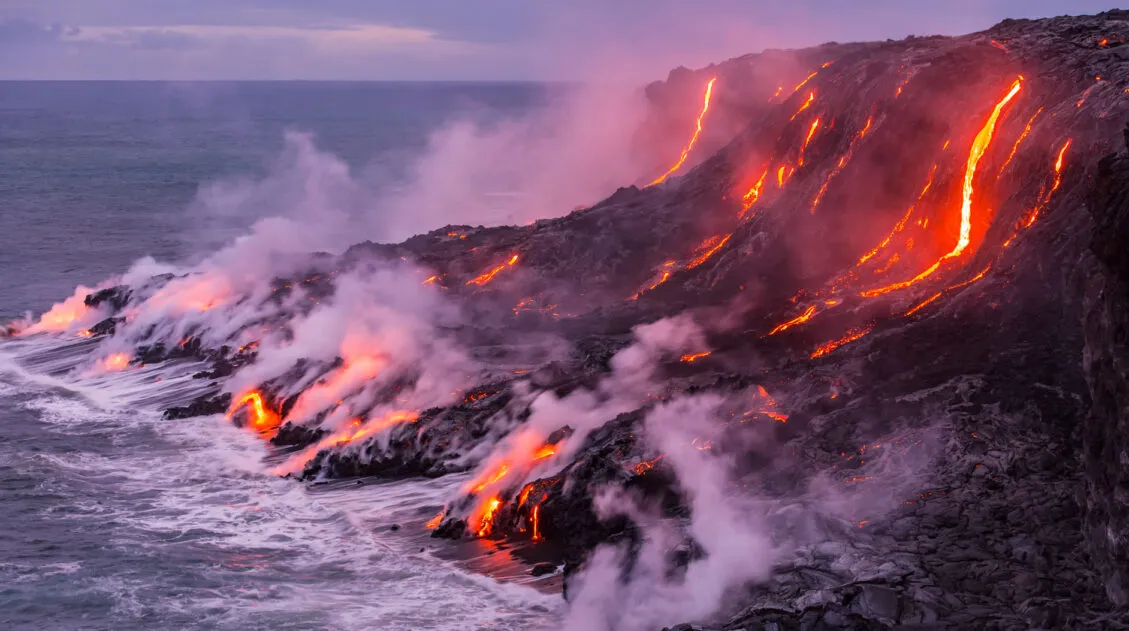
point(535, 520)
point(486, 277)
point(806, 105)
point(490, 478)
point(750, 198)
point(979, 146)
point(834, 345)
point(1045, 198)
point(898, 227)
point(811, 133)
point(694, 138)
point(1019, 141)
point(703, 257)
point(353, 432)
point(261, 418)
point(800, 319)
point(546, 451)
point(485, 520)
point(842, 163)
point(689, 359)
point(434, 522)
point(115, 362)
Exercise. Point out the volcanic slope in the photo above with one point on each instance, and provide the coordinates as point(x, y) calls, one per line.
point(866, 275)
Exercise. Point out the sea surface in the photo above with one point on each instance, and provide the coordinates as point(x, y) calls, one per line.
point(117, 519)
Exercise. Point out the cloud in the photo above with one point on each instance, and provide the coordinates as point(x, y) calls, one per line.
point(28, 33)
point(633, 40)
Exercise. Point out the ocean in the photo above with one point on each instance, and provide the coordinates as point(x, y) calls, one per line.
point(118, 519)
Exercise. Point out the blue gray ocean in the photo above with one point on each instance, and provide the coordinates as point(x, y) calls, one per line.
point(116, 519)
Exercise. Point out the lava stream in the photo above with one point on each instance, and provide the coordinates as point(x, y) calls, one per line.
point(693, 139)
point(486, 277)
point(979, 147)
point(262, 419)
point(834, 345)
point(800, 319)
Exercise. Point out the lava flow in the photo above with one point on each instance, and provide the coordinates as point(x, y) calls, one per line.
point(694, 138)
point(486, 277)
point(261, 418)
point(979, 146)
point(800, 319)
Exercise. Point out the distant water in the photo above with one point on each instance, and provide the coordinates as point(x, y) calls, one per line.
point(116, 519)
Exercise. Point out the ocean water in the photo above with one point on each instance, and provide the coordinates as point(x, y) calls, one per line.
point(117, 519)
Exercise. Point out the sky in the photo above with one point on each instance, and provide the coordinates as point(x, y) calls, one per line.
point(453, 39)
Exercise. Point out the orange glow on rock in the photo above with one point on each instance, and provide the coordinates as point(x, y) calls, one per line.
point(694, 138)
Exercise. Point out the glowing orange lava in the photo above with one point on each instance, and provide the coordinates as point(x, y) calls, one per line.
point(979, 146)
point(924, 303)
point(806, 105)
point(547, 451)
point(354, 431)
point(434, 522)
point(491, 478)
point(489, 276)
point(841, 164)
point(116, 362)
point(811, 133)
point(1029, 220)
point(1019, 141)
point(485, 520)
point(689, 359)
point(693, 139)
point(750, 198)
point(261, 418)
point(535, 519)
point(702, 258)
point(898, 227)
point(834, 345)
point(800, 319)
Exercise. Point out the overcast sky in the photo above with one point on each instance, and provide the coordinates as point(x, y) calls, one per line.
point(452, 39)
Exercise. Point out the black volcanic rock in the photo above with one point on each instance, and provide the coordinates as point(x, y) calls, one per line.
point(114, 297)
point(202, 406)
point(1106, 430)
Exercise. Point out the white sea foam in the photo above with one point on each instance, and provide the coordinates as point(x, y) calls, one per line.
point(280, 551)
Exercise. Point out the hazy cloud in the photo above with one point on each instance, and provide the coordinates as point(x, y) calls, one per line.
point(434, 39)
